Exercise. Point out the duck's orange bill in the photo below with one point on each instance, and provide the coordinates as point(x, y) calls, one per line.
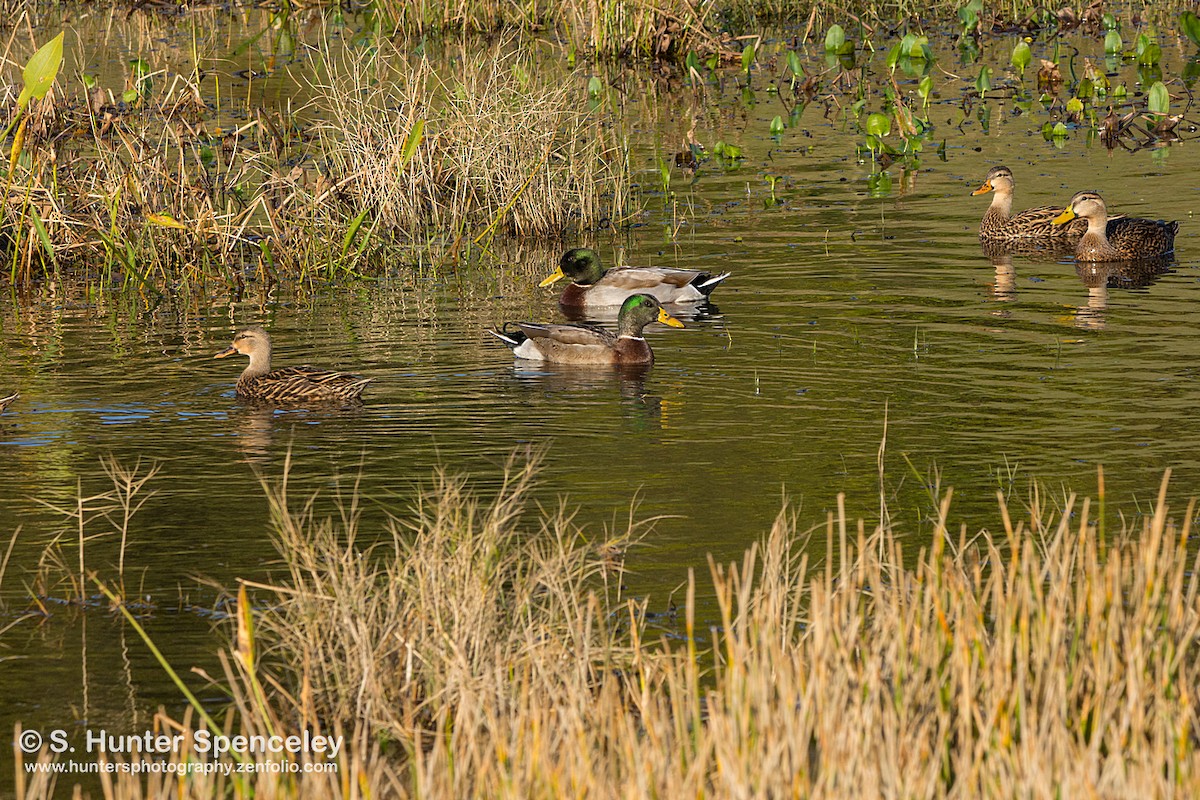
point(1065, 217)
point(554, 277)
point(987, 187)
point(667, 319)
point(229, 351)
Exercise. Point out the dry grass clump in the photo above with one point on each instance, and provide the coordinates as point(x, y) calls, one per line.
point(467, 152)
point(407, 157)
point(1037, 662)
point(475, 650)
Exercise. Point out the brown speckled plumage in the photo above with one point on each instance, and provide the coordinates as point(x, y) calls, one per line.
point(7, 399)
point(1122, 239)
point(999, 224)
point(288, 385)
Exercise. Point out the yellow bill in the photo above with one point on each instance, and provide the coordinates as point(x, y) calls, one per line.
point(229, 351)
point(554, 277)
point(987, 187)
point(667, 319)
point(1064, 218)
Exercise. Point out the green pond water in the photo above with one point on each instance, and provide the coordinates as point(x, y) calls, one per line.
point(848, 318)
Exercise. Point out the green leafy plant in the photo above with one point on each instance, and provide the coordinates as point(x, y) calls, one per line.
point(1113, 43)
point(748, 54)
point(143, 84)
point(983, 81)
point(1189, 23)
point(1158, 100)
point(1021, 56)
point(835, 41)
point(1149, 53)
point(777, 126)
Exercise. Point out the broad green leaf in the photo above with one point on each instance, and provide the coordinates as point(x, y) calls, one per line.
point(412, 142)
point(1021, 56)
point(355, 224)
point(595, 86)
point(879, 125)
point(925, 88)
point(747, 58)
point(983, 82)
point(43, 237)
point(1059, 131)
point(777, 126)
point(1158, 99)
point(1189, 23)
point(835, 39)
point(41, 70)
point(1074, 106)
point(893, 56)
point(793, 62)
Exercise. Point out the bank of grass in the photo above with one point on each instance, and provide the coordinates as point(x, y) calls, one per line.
point(483, 649)
point(395, 157)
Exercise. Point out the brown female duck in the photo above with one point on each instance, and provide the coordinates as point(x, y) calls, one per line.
point(7, 400)
point(583, 344)
point(1121, 239)
point(999, 224)
point(296, 385)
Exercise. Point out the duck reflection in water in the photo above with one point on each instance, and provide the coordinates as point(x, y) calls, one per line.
point(640, 409)
point(257, 422)
point(1001, 255)
point(1099, 277)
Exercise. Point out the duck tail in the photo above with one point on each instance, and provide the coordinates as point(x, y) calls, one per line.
point(510, 338)
point(708, 282)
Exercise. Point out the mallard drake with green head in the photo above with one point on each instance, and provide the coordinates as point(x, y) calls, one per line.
point(7, 400)
point(592, 285)
point(288, 385)
point(999, 224)
point(584, 344)
point(1121, 239)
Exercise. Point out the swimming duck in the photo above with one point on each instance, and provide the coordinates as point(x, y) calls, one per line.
point(999, 224)
point(592, 285)
point(1121, 239)
point(288, 384)
point(584, 344)
point(7, 400)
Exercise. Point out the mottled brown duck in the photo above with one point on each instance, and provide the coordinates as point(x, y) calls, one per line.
point(7, 399)
point(288, 385)
point(1121, 239)
point(999, 224)
point(593, 286)
point(584, 344)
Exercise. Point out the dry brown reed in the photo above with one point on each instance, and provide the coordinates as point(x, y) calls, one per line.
point(491, 648)
point(150, 191)
point(495, 147)
point(1043, 660)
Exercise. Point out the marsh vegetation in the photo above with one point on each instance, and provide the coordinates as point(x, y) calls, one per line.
point(378, 185)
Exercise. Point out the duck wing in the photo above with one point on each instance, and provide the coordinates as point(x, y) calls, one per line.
point(1139, 238)
point(304, 384)
point(571, 335)
point(667, 284)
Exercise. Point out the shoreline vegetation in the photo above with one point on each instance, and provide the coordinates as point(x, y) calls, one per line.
point(483, 648)
point(401, 151)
